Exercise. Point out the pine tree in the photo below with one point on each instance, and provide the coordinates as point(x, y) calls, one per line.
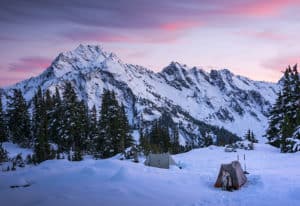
point(56, 120)
point(104, 136)
point(159, 137)
point(68, 127)
point(144, 142)
point(3, 128)
point(3, 154)
point(117, 140)
point(284, 118)
point(93, 134)
point(41, 128)
point(125, 138)
point(275, 122)
point(296, 97)
point(175, 146)
point(74, 123)
point(250, 136)
point(253, 138)
point(18, 120)
point(113, 126)
point(37, 113)
point(81, 124)
point(208, 140)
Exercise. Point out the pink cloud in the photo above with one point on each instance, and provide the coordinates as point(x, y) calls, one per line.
point(280, 63)
point(261, 8)
point(4, 81)
point(30, 64)
point(179, 25)
point(138, 54)
point(264, 35)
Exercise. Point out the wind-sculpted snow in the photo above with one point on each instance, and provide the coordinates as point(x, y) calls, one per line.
point(273, 181)
point(217, 97)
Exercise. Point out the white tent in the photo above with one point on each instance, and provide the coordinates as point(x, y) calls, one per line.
point(163, 160)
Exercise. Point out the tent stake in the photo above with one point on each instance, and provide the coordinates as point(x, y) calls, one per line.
point(245, 170)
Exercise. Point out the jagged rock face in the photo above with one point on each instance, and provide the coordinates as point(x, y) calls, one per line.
point(217, 97)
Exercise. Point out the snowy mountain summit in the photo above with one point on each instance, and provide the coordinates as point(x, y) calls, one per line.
point(82, 59)
point(199, 102)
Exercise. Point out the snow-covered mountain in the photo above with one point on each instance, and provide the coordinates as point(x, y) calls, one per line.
point(194, 97)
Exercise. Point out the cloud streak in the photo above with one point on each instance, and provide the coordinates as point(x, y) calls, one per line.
point(30, 64)
point(280, 63)
point(259, 8)
point(150, 19)
point(136, 14)
point(264, 35)
point(120, 36)
point(139, 25)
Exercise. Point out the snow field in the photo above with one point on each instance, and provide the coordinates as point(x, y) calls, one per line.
point(274, 179)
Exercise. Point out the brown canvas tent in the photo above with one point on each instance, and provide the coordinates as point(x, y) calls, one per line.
point(163, 160)
point(236, 173)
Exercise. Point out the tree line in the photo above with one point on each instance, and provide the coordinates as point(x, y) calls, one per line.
point(163, 137)
point(284, 120)
point(62, 124)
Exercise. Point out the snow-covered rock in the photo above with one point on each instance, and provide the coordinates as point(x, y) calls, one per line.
point(193, 96)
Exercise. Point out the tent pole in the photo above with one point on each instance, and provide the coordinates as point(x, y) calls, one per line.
point(245, 162)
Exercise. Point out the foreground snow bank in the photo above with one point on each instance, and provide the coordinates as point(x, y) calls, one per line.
point(274, 180)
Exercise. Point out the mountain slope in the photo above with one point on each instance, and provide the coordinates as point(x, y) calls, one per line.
point(194, 98)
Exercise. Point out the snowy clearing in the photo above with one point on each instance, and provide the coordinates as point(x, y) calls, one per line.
point(274, 179)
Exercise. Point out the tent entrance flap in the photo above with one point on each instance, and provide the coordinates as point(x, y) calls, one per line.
point(236, 173)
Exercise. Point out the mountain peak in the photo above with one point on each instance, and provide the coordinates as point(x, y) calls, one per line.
point(83, 58)
point(84, 49)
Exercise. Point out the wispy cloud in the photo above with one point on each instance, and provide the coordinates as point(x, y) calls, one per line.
point(112, 36)
point(137, 14)
point(180, 25)
point(264, 35)
point(280, 63)
point(143, 22)
point(258, 8)
point(30, 64)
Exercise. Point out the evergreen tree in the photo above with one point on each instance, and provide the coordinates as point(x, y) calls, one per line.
point(104, 139)
point(18, 120)
point(3, 128)
point(41, 129)
point(296, 96)
point(81, 124)
point(114, 127)
point(175, 146)
point(3, 154)
point(38, 113)
point(250, 136)
point(93, 134)
point(69, 119)
point(253, 138)
point(159, 137)
point(275, 122)
point(125, 139)
point(208, 140)
point(74, 123)
point(284, 118)
point(144, 142)
point(162, 137)
point(56, 120)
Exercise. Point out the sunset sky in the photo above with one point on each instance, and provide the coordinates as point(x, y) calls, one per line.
point(254, 38)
